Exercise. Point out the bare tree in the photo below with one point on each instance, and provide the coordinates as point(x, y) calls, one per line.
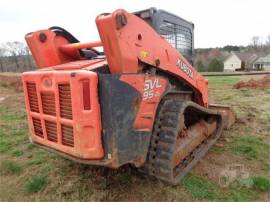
point(28, 58)
point(15, 50)
point(2, 55)
point(255, 40)
point(268, 41)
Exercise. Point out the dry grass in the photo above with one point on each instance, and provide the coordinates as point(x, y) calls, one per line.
point(31, 174)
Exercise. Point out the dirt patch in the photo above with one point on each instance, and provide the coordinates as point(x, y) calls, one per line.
point(212, 165)
point(252, 84)
point(2, 99)
point(13, 82)
point(265, 197)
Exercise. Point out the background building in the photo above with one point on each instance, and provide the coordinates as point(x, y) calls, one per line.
point(262, 63)
point(238, 61)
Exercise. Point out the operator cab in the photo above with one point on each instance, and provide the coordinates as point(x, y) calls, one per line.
point(177, 31)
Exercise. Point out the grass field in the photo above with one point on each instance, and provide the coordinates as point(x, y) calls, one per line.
point(237, 168)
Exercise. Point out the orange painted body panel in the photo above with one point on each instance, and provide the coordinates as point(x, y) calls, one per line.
point(77, 65)
point(50, 121)
point(136, 41)
point(46, 51)
point(151, 89)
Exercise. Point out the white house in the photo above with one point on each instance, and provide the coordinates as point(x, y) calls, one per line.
point(239, 61)
point(263, 63)
point(232, 63)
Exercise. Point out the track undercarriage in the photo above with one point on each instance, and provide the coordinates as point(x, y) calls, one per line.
point(183, 133)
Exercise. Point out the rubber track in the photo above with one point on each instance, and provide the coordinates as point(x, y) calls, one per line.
point(162, 145)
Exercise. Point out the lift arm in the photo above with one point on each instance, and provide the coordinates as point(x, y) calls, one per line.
point(127, 39)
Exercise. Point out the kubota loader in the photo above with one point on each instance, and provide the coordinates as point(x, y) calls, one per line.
point(139, 102)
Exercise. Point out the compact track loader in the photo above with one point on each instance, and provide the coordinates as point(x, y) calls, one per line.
point(139, 102)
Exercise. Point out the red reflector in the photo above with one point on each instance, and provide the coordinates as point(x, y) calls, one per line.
point(86, 95)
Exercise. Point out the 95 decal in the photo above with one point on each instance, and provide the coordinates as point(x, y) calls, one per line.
point(151, 88)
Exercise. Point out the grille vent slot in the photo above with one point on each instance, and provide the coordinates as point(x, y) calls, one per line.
point(67, 135)
point(32, 97)
point(51, 130)
point(48, 103)
point(65, 101)
point(37, 127)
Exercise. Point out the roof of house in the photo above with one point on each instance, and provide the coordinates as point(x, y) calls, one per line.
point(263, 59)
point(246, 57)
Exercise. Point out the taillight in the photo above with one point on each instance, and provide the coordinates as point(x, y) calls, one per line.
point(86, 94)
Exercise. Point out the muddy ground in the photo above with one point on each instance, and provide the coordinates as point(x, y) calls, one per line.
point(237, 168)
point(254, 83)
point(11, 81)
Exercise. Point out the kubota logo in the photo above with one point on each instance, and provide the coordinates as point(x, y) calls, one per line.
point(184, 67)
point(150, 87)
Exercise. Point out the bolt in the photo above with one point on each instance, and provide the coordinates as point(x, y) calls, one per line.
point(73, 74)
point(157, 62)
point(42, 37)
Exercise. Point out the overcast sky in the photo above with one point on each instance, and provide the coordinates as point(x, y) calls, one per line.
point(217, 22)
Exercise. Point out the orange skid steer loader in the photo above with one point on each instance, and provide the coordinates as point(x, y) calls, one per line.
point(139, 102)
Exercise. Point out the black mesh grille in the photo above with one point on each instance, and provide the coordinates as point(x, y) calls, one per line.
point(178, 36)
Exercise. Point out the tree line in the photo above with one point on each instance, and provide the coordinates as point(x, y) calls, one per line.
point(15, 57)
point(215, 65)
point(211, 59)
point(260, 42)
point(256, 43)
